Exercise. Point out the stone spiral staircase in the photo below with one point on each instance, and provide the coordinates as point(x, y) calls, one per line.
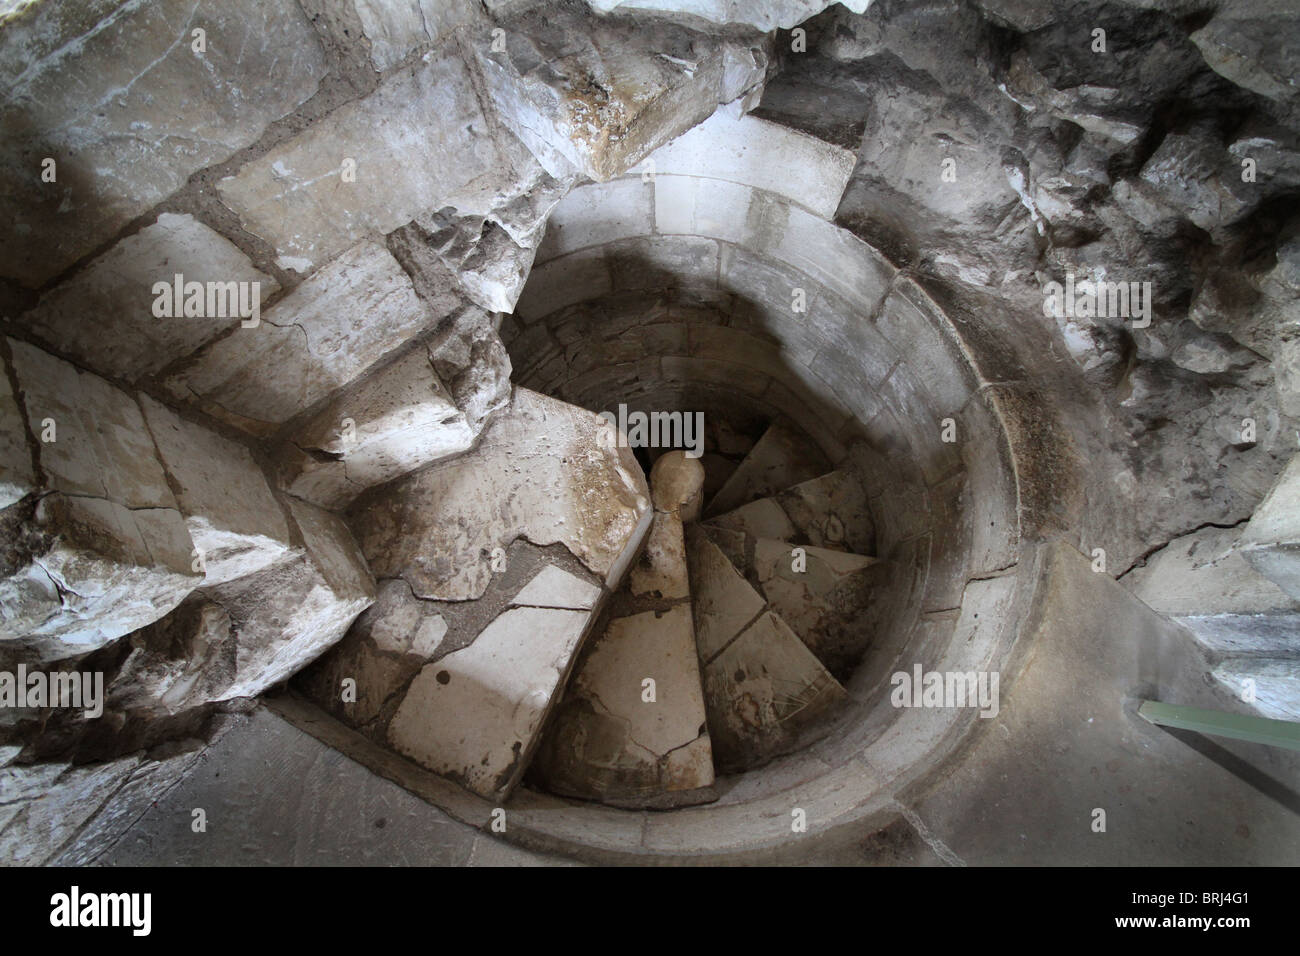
point(620, 651)
point(722, 646)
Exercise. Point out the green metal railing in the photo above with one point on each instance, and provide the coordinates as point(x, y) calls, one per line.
point(1259, 730)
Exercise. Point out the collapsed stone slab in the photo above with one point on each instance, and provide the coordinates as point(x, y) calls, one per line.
point(539, 473)
point(239, 637)
point(104, 549)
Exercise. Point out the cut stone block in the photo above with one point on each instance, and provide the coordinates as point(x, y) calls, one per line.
point(117, 95)
point(475, 715)
point(106, 550)
point(233, 519)
point(390, 423)
point(239, 638)
point(118, 286)
point(1271, 541)
point(323, 335)
point(559, 589)
point(781, 458)
point(631, 728)
point(295, 196)
point(540, 472)
point(577, 94)
point(764, 691)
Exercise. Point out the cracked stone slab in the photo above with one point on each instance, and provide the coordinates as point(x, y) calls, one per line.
point(232, 517)
point(540, 472)
point(321, 336)
point(120, 284)
point(105, 550)
point(386, 425)
point(116, 94)
point(781, 458)
point(579, 95)
point(475, 715)
point(610, 743)
point(239, 638)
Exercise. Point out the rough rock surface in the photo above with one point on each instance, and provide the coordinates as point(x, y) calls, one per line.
point(104, 549)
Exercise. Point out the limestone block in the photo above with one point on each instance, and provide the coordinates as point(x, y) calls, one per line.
point(323, 335)
point(823, 598)
point(475, 714)
point(391, 422)
point(799, 168)
point(1271, 541)
point(827, 512)
point(106, 550)
point(915, 327)
point(539, 472)
point(119, 97)
point(1276, 684)
point(117, 288)
point(419, 142)
point(395, 29)
point(577, 94)
point(723, 601)
point(563, 282)
point(233, 519)
point(597, 213)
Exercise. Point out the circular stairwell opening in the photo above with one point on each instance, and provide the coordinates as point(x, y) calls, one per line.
point(695, 293)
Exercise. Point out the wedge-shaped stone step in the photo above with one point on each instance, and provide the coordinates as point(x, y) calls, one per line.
point(764, 690)
point(631, 730)
point(826, 512)
point(781, 458)
point(822, 595)
point(1274, 684)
